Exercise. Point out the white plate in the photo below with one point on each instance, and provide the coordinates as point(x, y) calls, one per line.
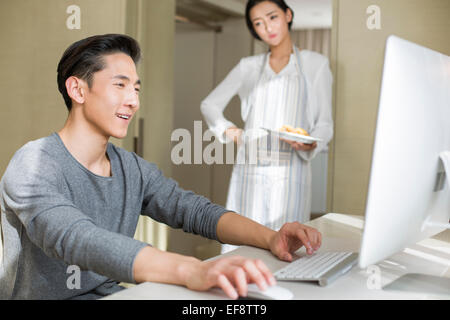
point(294, 136)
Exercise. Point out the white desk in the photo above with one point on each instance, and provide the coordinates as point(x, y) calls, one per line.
point(342, 233)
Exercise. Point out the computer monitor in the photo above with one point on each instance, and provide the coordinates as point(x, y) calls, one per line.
point(409, 192)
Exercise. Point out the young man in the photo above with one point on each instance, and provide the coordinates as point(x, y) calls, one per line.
point(73, 199)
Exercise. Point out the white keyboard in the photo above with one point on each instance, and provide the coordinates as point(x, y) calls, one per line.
point(323, 267)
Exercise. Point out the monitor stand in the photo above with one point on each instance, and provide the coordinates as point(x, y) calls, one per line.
point(421, 283)
point(424, 283)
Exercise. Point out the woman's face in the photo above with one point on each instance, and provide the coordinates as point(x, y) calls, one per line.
point(270, 22)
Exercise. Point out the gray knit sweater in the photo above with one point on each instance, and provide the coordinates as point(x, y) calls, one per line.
point(57, 216)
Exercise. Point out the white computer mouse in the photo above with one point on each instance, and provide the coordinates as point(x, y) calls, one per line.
point(271, 293)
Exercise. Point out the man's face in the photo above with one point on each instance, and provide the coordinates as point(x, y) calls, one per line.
point(113, 98)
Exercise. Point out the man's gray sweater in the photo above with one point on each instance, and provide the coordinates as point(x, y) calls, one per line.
point(57, 216)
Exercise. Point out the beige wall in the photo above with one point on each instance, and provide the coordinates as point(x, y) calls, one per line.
point(194, 65)
point(34, 36)
point(194, 60)
point(202, 60)
point(357, 61)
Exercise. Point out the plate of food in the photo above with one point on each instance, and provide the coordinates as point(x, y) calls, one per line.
point(294, 134)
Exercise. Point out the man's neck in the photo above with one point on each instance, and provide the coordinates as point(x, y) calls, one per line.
point(86, 146)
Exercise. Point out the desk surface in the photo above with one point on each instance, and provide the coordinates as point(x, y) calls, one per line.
point(339, 233)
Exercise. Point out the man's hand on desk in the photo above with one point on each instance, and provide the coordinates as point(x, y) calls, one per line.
point(293, 236)
point(236, 229)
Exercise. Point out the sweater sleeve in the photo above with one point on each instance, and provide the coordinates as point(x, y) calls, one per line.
point(321, 110)
point(164, 201)
point(214, 104)
point(32, 190)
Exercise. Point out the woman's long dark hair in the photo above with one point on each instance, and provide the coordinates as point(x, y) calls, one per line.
point(251, 3)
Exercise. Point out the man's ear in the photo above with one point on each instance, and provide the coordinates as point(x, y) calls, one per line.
point(76, 89)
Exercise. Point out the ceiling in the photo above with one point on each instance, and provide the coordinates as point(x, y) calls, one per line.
point(308, 14)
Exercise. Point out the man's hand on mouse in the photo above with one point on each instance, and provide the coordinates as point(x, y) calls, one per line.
point(293, 236)
point(231, 274)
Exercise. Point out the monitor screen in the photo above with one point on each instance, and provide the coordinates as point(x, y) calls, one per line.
point(408, 188)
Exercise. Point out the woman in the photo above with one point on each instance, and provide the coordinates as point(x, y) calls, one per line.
point(284, 86)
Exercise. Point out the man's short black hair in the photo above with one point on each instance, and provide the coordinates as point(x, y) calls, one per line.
point(251, 3)
point(85, 57)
